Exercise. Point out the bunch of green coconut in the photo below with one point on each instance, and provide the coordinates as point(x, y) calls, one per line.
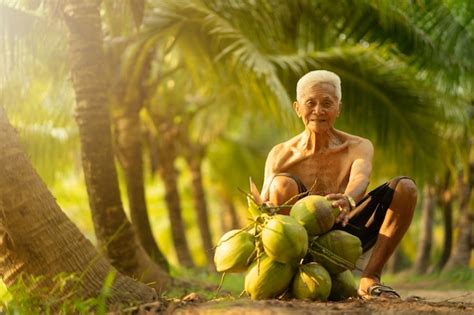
point(292, 256)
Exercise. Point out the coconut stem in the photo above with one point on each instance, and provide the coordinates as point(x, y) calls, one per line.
point(220, 284)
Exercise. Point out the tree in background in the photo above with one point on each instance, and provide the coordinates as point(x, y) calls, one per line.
point(423, 253)
point(114, 232)
point(461, 251)
point(400, 94)
point(37, 238)
point(399, 66)
point(127, 97)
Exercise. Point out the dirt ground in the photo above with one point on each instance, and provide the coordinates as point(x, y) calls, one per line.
point(414, 301)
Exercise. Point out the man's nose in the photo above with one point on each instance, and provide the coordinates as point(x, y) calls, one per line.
point(318, 109)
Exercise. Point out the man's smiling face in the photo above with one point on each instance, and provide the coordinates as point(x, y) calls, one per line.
point(318, 107)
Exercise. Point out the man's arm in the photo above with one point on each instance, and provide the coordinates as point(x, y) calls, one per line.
point(358, 180)
point(360, 171)
point(269, 173)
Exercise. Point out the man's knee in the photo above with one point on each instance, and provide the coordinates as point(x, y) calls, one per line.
point(405, 190)
point(405, 184)
point(283, 188)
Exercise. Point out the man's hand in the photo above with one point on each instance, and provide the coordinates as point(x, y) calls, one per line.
point(340, 201)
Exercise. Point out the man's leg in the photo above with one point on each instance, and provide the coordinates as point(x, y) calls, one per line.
point(396, 222)
point(282, 189)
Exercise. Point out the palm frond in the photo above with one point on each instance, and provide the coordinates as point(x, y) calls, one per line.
point(383, 101)
point(226, 45)
point(34, 88)
point(43, 116)
point(427, 32)
point(391, 59)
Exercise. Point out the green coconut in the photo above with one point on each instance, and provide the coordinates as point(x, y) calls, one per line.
point(315, 213)
point(284, 239)
point(267, 278)
point(343, 286)
point(336, 250)
point(233, 251)
point(312, 282)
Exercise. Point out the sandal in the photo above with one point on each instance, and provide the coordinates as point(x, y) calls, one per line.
point(379, 291)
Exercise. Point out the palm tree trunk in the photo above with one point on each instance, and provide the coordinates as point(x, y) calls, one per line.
point(130, 157)
point(422, 258)
point(169, 176)
point(199, 199)
point(461, 253)
point(395, 261)
point(229, 218)
point(114, 232)
point(153, 152)
point(38, 239)
point(447, 206)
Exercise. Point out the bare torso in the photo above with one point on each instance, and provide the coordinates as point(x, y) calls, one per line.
point(323, 169)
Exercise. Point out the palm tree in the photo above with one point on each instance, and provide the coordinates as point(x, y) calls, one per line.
point(276, 43)
point(39, 240)
point(461, 251)
point(168, 132)
point(127, 96)
point(446, 203)
point(194, 153)
point(35, 91)
point(423, 254)
point(114, 232)
point(399, 64)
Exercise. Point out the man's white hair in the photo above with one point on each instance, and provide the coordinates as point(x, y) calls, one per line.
point(318, 76)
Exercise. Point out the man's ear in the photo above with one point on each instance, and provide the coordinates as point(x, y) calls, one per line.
point(340, 108)
point(296, 107)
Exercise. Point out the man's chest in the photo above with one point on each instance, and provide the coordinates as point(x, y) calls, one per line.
point(323, 173)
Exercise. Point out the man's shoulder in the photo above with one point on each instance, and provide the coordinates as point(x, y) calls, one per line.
point(358, 145)
point(283, 152)
point(286, 145)
point(355, 141)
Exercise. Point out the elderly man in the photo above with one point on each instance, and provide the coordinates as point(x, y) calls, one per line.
point(325, 161)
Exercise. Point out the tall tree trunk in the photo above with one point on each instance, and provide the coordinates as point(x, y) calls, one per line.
point(114, 231)
point(169, 174)
point(229, 218)
point(447, 206)
point(194, 161)
point(395, 261)
point(153, 152)
point(461, 253)
point(423, 253)
point(38, 239)
point(130, 157)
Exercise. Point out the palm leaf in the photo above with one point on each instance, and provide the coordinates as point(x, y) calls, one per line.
point(384, 101)
point(425, 31)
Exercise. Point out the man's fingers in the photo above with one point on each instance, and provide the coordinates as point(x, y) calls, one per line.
point(339, 203)
point(334, 196)
point(345, 221)
point(342, 215)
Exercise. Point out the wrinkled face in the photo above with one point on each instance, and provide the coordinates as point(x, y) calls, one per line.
point(318, 107)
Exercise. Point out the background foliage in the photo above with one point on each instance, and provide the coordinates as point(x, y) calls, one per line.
point(224, 73)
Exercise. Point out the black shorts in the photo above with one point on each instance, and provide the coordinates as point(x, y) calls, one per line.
point(367, 217)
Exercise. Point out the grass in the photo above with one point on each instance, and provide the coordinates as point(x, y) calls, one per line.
point(20, 299)
point(206, 283)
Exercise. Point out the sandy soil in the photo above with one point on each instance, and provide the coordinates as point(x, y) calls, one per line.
point(414, 301)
